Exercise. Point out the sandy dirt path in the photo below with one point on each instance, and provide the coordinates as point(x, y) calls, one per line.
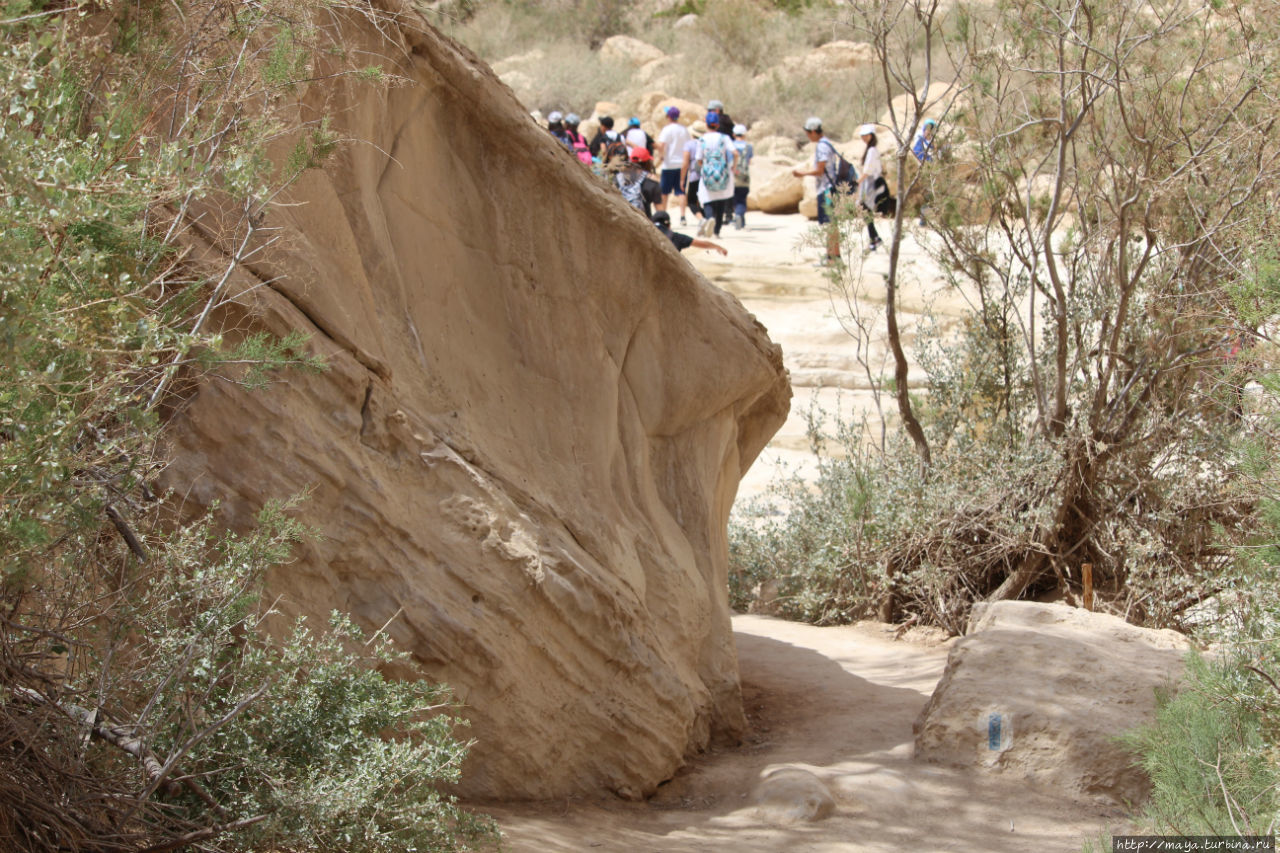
point(838, 703)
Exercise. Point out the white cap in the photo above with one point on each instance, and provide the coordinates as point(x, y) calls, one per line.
point(554, 115)
point(739, 130)
point(867, 128)
point(572, 118)
point(715, 105)
point(813, 123)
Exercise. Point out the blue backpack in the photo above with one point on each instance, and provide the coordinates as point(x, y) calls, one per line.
point(715, 166)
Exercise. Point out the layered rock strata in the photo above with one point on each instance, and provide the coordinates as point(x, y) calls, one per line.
point(522, 455)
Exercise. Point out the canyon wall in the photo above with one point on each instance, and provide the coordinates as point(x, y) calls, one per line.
point(523, 453)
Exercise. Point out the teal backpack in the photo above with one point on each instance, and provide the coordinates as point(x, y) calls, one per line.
point(715, 166)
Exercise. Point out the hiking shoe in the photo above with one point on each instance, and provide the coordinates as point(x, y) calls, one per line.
point(875, 244)
point(704, 230)
point(682, 222)
point(739, 222)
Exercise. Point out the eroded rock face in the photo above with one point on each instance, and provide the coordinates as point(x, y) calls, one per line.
point(523, 454)
point(1042, 691)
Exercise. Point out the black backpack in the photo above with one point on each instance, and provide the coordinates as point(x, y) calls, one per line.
point(846, 176)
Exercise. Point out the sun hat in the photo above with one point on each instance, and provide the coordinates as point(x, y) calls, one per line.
point(673, 112)
point(739, 130)
point(867, 129)
point(633, 122)
point(640, 155)
point(554, 116)
point(813, 123)
point(572, 118)
point(715, 106)
point(713, 117)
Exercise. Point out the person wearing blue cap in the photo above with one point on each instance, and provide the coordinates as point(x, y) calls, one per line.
point(635, 137)
point(923, 149)
point(715, 167)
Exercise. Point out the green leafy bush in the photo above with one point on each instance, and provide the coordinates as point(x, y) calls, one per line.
point(144, 703)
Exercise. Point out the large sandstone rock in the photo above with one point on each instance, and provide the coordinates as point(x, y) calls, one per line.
point(1042, 690)
point(690, 112)
point(523, 453)
point(629, 51)
point(830, 58)
point(774, 190)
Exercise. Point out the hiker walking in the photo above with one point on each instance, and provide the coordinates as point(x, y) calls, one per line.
point(715, 167)
point(635, 136)
point(689, 179)
point(741, 175)
point(671, 141)
point(555, 124)
point(869, 188)
point(604, 135)
point(825, 165)
point(923, 149)
point(683, 241)
point(576, 141)
point(638, 188)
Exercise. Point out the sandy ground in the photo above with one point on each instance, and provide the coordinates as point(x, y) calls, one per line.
point(830, 706)
point(838, 703)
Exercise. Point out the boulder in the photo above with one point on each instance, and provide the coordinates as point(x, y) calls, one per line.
point(937, 100)
point(774, 190)
point(630, 51)
point(690, 112)
point(831, 58)
point(686, 22)
point(652, 72)
point(1042, 690)
point(776, 146)
point(648, 105)
point(521, 457)
point(520, 61)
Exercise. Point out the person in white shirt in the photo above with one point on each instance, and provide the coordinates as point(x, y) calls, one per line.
point(871, 171)
point(635, 137)
point(671, 141)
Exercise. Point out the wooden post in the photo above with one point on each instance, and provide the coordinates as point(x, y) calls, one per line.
point(1086, 573)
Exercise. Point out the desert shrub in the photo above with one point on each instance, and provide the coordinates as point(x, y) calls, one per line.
point(143, 705)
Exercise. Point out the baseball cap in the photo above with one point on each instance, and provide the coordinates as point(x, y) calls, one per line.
point(633, 122)
point(867, 128)
point(739, 129)
point(713, 117)
point(572, 118)
point(554, 115)
point(673, 112)
point(661, 218)
point(930, 122)
point(813, 123)
point(640, 155)
point(716, 106)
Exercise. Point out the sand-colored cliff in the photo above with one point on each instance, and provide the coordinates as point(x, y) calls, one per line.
point(532, 427)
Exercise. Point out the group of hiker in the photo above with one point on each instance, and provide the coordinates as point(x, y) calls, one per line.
point(709, 174)
point(833, 174)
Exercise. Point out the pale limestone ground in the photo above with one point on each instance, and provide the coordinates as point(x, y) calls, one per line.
point(770, 269)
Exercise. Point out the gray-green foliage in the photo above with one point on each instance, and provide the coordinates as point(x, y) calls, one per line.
point(121, 620)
